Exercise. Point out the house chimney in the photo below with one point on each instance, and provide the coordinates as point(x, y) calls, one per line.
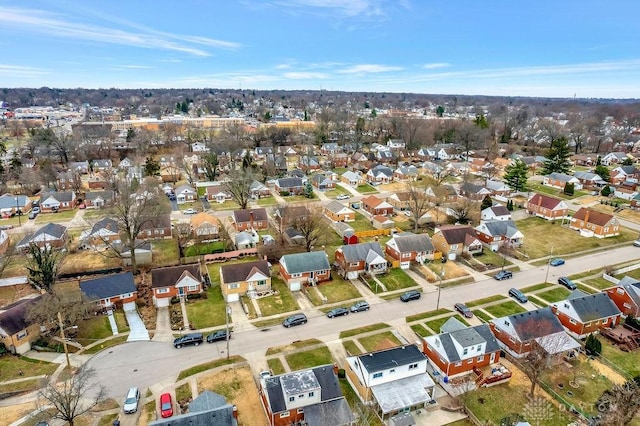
point(235, 412)
point(251, 219)
point(335, 368)
point(586, 218)
point(539, 200)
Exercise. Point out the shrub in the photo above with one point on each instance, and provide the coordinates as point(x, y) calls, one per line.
point(569, 188)
point(632, 322)
point(593, 346)
point(341, 373)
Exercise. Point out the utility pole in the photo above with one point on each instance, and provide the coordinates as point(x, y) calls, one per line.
point(18, 211)
point(548, 264)
point(64, 340)
point(439, 286)
point(226, 316)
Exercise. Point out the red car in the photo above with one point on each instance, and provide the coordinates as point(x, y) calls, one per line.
point(166, 406)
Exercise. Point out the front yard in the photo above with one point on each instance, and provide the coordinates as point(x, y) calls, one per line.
point(396, 279)
point(208, 312)
point(309, 359)
point(366, 189)
point(543, 238)
point(554, 295)
point(338, 290)
point(505, 309)
point(279, 303)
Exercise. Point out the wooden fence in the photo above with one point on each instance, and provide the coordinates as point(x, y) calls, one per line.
point(375, 232)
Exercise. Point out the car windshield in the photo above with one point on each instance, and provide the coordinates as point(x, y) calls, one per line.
point(166, 406)
point(131, 400)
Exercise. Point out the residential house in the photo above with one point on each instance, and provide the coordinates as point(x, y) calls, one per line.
point(518, 334)
point(625, 193)
point(376, 206)
point(613, 158)
point(454, 240)
point(547, 207)
point(199, 147)
point(99, 180)
point(441, 194)
point(310, 268)
point(346, 232)
point(262, 153)
point(400, 200)
point(57, 201)
point(396, 144)
point(382, 222)
point(462, 350)
point(246, 239)
point(258, 190)
point(337, 212)
point(185, 194)
point(208, 408)
point(65, 181)
point(81, 167)
point(205, 226)
point(17, 332)
point(170, 173)
point(497, 212)
point(582, 314)
point(99, 199)
point(308, 163)
point(111, 290)
point(322, 182)
point(4, 241)
point(623, 174)
point(101, 165)
point(406, 247)
point(355, 259)
point(560, 180)
point(290, 185)
point(587, 160)
point(496, 233)
point(394, 380)
point(433, 169)
point(51, 234)
point(256, 219)
point(287, 215)
point(339, 160)
point(626, 296)
point(590, 180)
point(11, 204)
point(405, 174)
point(379, 175)
point(385, 156)
point(474, 192)
point(175, 281)
point(158, 228)
point(217, 193)
point(312, 397)
point(330, 148)
point(352, 178)
point(126, 163)
point(102, 234)
point(498, 189)
point(247, 278)
point(592, 223)
point(142, 251)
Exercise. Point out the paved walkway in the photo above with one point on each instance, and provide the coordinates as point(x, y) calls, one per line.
point(137, 330)
point(349, 188)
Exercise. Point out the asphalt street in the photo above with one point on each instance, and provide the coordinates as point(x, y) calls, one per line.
point(144, 364)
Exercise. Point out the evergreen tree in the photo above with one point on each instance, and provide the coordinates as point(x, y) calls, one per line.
point(151, 167)
point(515, 175)
point(557, 157)
point(569, 188)
point(606, 191)
point(592, 345)
point(486, 202)
point(510, 205)
point(308, 190)
point(602, 171)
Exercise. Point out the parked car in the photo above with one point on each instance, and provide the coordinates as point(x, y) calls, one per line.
point(567, 283)
point(337, 312)
point(32, 215)
point(166, 405)
point(410, 295)
point(265, 373)
point(293, 320)
point(131, 401)
point(503, 275)
point(518, 295)
point(342, 197)
point(190, 211)
point(188, 339)
point(217, 336)
point(36, 209)
point(407, 213)
point(556, 262)
point(636, 243)
point(359, 307)
point(463, 309)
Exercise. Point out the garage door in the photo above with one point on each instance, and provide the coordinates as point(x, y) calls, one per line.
point(295, 285)
point(405, 265)
point(162, 302)
point(352, 275)
point(233, 297)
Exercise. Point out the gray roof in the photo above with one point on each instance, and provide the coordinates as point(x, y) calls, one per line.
point(358, 252)
point(335, 206)
point(242, 216)
point(505, 228)
point(409, 242)
point(383, 169)
point(593, 307)
point(560, 176)
point(533, 324)
point(60, 196)
point(451, 325)
point(109, 286)
point(56, 230)
point(335, 413)
point(292, 182)
point(632, 287)
point(105, 195)
point(105, 223)
point(9, 201)
point(305, 262)
point(385, 359)
point(466, 337)
point(343, 229)
point(208, 409)
point(240, 271)
point(169, 276)
point(13, 317)
point(587, 176)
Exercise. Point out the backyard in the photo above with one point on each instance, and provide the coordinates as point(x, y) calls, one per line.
point(165, 252)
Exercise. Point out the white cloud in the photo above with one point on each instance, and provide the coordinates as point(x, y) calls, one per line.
point(436, 65)
point(20, 71)
point(368, 68)
point(341, 8)
point(305, 75)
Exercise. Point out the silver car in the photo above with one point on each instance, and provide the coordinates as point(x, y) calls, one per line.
point(131, 401)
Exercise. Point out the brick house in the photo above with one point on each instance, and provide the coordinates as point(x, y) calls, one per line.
point(461, 350)
point(496, 233)
point(291, 185)
point(582, 314)
point(305, 268)
point(407, 247)
point(453, 240)
point(594, 223)
point(185, 194)
point(10, 204)
point(474, 192)
point(57, 201)
point(205, 226)
point(400, 200)
point(376, 206)
point(626, 296)
point(244, 278)
point(355, 259)
point(379, 175)
point(156, 229)
point(518, 334)
point(17, 332)
point(547, 207)
point(102, 234)
point(312, 396)
point(250, 219)
point(560, 180)
point(352, 178)
point(175, 281)
point(111, 290)
point(51, 234)
point(497, 212)
point(322, 182)
point(99, 199)
point(337, 212)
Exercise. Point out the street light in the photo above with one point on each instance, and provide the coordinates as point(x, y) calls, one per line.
point(18, 210)
point(548, 264)
point(440, 276)
point(227, 315)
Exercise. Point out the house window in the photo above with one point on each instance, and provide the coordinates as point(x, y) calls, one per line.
point(193, 288)
point(301, 396)
point(481, 358)
point(234, 286)
point(620, 290)
point(296, 275)
point(412, 366)
point(377, 375)
point(393, 370)
point(284, 414)
point(300, 410)
point(479, 348)
point(458, 364)
point(572, 321)
point(162, 290)
point(262, 282)
point(354, 264)
point(149, 233)
point(406, 255)
point(292, 398)
point(126, 295)
point(155, 231)
point(311, 394)
point(465, 351)
point(22, 334)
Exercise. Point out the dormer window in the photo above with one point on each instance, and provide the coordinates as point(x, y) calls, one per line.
point(465, 351)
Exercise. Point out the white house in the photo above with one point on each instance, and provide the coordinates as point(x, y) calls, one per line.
point(185, 193)
point(497, 212)
point(199, 147)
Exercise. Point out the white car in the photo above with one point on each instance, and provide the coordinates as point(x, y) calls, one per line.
point(131, 401)
point(342, 197)
point(190, 211)
point(407, 213)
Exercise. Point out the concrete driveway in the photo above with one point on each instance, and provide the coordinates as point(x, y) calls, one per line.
point(137, 331)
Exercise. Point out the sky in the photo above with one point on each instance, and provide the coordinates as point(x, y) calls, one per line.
point(560, 48)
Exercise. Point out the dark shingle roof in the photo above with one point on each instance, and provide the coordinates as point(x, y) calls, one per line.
point(388, 358)
point(358, 252)
point(305, 262)
point(61, 196)
point(533, 324)
point(105, 195)
point(593, 307)
point(167, 277)
point(595, 217)
point(292, 182)
point(14, 316)
point(408, 242)
point(109, 286)
point(241, 216)
point(468, 337)
point(207, 409)
point(457, 234)
point(241, 271)
point(544, 201)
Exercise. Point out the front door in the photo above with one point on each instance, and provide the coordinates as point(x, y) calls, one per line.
point(492, 358)
point(180, 291)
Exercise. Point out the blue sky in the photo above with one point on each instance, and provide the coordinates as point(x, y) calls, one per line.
point(558, 48)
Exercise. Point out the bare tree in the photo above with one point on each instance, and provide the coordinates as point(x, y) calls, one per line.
point(73, 303)
point(76, 181)
point(65, 145)
point(465, 211)
point(311, 226)
point(540, 358)
point(239, 186)
point(620, 404)
point(75, 396)
point(43, 265)
point(418, 203)
point(182, 232)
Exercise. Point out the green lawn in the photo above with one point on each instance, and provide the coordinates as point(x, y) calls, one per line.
point(396, 279)
point(338, 190)
point(208, 366)
point(15, 221)
point(544, 189)
point(182, 392)
point(208, 312)
point(93, 329)
point(279, 303)
point(374, 342)
point(482, 315)
point(633, 274)
point(308, 359)
point(586, 289)
point(420, 330)
point(486, 300)
point(558, 293)
point(491, 259)
point(535, 287)
point(625, 361)
point(536, 301)
point(351, 347)
point(428, 314)
point(63, 216)
point(361, 223)
point(266, 202)
point(338, 290)
point(298, 344)
point(297, 198)
point(24, 386)
point(205, 248)
point(106, 344)
point(11, 365)
point(505, 309)
point(362, 330)
point(165, 252)
point(540, 236)
point(227, 205)
point(599, 283)
point(275, 365)
point(366, 189)
point(96, 214)
point(437, 323)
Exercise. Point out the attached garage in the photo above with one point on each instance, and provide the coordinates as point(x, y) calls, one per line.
point(405, 265)
point(233, 297)
point(162, 302)
point(352, 275)
point(295, 285)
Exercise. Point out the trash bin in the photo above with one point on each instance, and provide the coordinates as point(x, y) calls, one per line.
point(116, 422)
